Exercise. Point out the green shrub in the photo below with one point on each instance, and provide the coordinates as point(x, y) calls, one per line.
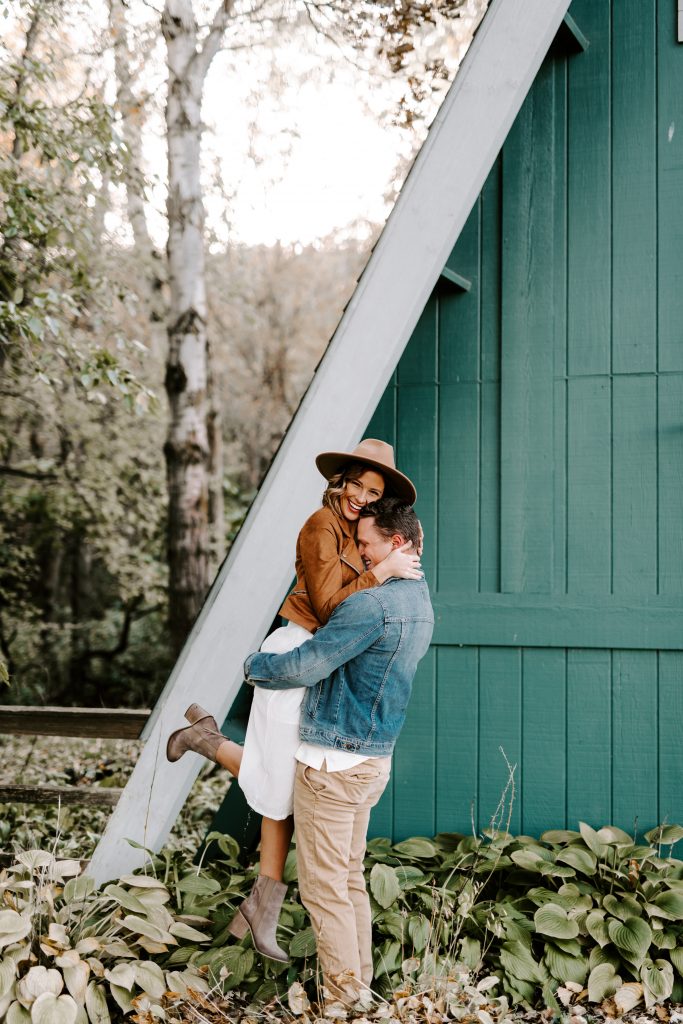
point(592, 909)
point(472, 924)
point(69, 955)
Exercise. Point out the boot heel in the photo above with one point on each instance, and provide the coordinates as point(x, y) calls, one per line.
point(238, 926)
point(195, 712)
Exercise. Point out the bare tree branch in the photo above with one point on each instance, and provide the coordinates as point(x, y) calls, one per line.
point(26, 474)
point(212, 43)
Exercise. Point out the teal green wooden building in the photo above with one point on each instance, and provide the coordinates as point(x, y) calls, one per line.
point(530, 376)
point(539, 408)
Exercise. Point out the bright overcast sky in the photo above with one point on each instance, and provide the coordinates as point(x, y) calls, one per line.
point(298, 143)
point(308, 148)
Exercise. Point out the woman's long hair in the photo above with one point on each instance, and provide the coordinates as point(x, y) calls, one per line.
point(336, 484)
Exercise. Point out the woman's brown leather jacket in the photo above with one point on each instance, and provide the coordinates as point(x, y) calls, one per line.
point(328, 569)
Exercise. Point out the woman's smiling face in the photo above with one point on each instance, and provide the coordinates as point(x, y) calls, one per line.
point(359, 490)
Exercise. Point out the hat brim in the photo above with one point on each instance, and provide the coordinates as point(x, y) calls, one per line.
point(330, 463)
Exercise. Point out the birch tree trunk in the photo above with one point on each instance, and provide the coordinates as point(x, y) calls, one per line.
point(191, 447)
point(132, 120)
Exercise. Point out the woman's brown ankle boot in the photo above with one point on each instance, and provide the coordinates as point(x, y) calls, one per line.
point(203, 736)
point(259, 913)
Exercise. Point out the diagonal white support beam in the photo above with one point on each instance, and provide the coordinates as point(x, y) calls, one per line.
point(439, 193)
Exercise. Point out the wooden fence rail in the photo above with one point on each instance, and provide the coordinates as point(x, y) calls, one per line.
point(100, 723)
point(105, 723)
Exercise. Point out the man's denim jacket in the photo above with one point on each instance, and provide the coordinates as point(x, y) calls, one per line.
point(359, 667)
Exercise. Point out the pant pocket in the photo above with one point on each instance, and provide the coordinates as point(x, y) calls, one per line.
point(313, 779)
point(365, 772)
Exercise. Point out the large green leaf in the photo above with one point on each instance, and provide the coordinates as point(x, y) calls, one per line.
point(236, 960)
point(125, 899)
point(623, 906)
point(564, 967)
point(600, 956)
point(596, 926)
point(96, 1004)
point(141, 926)
point(419, 929)
point(388, 958)
point(13, 927)
point(51, 1009)
point(78, 889)
point(122, 974)
point(658, 980)
point(664, 939)
point(517, 960)
point(8, 971)
point(550, 869)
point(612, 834)
point(150, 978)
point(121, 997)
point(554, 921)
point(539, 896)
point(579, 858)
point(184, 931)
point(602, 982)
point(391, 922)
point(677, 958)
point(76, 978)
point(592, 839)
point(632, 935)
point(668, 905)
point(528, 859)
point(559, 836)
point(665, 835)
point(470, 952)
point(571, 946)
point(384, 885)
point(417, 847)
point(197, 885)
point(303, 944)
point(572, 895)
point(142, 881)
point(16, 1014)
point(409, 876)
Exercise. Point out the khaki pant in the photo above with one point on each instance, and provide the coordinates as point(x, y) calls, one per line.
point(331, 815)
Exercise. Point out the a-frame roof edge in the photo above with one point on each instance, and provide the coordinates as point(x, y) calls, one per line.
point(443, 184)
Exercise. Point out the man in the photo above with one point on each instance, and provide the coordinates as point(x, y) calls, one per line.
point(360, 668)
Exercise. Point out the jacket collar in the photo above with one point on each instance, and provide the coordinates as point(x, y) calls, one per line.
point(347, 528)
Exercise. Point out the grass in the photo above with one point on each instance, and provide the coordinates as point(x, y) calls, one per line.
point(48, 760)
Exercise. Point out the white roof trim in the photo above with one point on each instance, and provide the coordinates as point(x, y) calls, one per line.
point(448, 174)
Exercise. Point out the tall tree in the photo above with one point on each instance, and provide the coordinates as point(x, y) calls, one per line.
point(191, 449)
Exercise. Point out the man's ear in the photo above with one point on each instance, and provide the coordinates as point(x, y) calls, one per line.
point(397, 541)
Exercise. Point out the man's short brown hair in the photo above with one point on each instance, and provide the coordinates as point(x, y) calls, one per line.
point(393, 516)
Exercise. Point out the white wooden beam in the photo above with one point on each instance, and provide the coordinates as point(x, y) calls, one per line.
point(439, 193)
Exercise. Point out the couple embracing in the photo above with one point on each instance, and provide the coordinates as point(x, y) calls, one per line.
point(332, 688)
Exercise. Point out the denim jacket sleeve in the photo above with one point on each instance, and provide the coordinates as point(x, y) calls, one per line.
point(353, 627)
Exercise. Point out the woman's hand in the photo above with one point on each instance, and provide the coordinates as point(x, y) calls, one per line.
point(403, 563)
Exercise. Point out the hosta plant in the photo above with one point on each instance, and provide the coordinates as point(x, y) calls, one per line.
point(69, 955)
point(588, 909)
point(468, 924)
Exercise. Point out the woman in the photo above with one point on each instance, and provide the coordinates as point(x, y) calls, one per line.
point(328, 570)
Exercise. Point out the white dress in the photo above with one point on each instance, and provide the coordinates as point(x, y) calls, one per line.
point(268, 763)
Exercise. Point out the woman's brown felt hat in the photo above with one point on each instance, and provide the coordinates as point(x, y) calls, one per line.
point(377, 455)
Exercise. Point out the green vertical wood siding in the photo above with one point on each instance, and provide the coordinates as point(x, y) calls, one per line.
point(541, 416)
